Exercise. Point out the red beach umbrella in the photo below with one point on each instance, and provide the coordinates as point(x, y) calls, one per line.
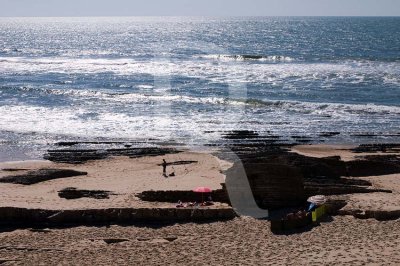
point(202, 190)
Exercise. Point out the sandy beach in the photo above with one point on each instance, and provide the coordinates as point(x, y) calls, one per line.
point(123, 176)
point(341, 239)
point(243, 241)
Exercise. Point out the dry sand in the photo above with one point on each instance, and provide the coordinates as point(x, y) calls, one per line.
point(377, 201)
point(242, 241)
point(123, 176)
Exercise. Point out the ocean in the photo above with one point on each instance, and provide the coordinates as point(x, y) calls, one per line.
point(188, 79)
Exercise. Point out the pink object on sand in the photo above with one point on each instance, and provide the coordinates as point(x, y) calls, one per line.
point(202, 189)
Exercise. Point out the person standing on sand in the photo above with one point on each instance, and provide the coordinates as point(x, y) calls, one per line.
point(164, 166)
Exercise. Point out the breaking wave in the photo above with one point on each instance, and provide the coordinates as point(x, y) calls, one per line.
point(110, 97)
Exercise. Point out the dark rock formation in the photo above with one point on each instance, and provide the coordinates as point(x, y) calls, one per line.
point(334, 206)
point(273, 185)
point(179, 163)
point(329, 134)
point(320, 175)
point(259, 156)
point(387, 148)
point(14, 169)
point(329, 167)
point(76, 156)
point(240, 134)
point(337, 186)
point(41, 175)
point(186, 196)
point(74, 193)
point(283, 185)
point(374, 165)
point(23, 218)
point(72, 143)
point(302, 139)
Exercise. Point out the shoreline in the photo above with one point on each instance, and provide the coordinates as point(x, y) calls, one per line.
point(12, 151)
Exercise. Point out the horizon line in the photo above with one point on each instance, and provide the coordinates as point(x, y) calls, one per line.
point(210, 16)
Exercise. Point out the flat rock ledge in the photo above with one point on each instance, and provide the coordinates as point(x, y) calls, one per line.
point(78, 156)
point(74, 193)
point(172, 196)
point(22, 217)
point(41, 175)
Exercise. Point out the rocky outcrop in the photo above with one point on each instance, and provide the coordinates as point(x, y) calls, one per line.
point(374, 165)
point(179, 163)
point(309, 167)
point(21, 217)
point(333, 206)
point(74, 156)
point(74, 193)
point(41, 175)
point(273, 185)
point(14, 169)
point(174, 196)
point(73, 143)
point(338, 186)
point(381, 147)
point(273, 188)
point(77, 156)
point(329, 134)
point(241, 134)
